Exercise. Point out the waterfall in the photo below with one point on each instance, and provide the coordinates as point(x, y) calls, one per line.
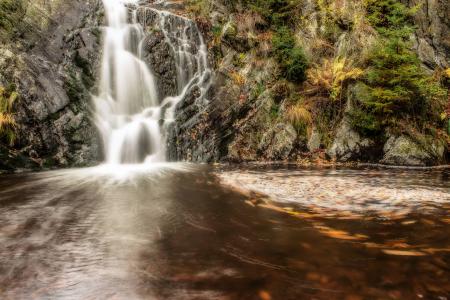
point(131, 116)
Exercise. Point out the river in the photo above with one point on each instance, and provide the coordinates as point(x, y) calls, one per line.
point(181, 231)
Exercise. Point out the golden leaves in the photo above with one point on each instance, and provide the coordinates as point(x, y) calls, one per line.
point(403, 252)
point(6, 121)
point(339, 234)
point(264, 295)
point(447, 72)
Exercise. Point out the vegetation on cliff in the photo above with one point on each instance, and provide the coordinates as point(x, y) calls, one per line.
point(396, 90)
point(348, 68)
point(11, 14)
point(290, 56)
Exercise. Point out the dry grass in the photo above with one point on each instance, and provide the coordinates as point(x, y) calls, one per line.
point(299, 116)
point(7, 121)
point(238, 78)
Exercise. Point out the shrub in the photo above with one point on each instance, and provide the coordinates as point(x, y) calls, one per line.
point(390, 17)
point(258, 89)
point(281, 91)
point(291, 58)
point(364, 123)
point(238, 78)
point(397, 86)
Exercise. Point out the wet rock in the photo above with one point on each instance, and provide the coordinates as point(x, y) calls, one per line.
point(402, 150)
point(160, 57)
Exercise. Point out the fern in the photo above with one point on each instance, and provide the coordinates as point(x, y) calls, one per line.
point(7, 121)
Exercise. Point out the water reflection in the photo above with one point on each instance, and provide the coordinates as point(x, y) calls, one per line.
point(177, 232)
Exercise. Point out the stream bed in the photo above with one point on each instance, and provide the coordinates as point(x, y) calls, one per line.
point(180, 231)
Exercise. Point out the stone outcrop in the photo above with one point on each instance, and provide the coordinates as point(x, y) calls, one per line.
point(402, 150)
point(432, 38)
point(158, 54)
point(348, 145)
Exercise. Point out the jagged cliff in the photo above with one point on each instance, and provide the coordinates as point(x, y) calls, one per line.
point(314, 79)
point(48, 59)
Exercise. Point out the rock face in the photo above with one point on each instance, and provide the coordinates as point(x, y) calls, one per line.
point(158, 53)
point(258, 136)
point(279, 142)
point(348, 144)
point(432, 35)
point(53, 71)
point(172, 49)
point(245, 117)
point(159, 57)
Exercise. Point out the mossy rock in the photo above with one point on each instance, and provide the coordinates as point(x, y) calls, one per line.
point(402, 150)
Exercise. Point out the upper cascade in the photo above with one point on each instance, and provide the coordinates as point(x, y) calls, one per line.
point(131, 116)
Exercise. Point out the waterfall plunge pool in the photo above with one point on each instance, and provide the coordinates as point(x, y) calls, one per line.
point(181, 231)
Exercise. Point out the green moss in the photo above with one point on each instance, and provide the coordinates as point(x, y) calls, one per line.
point(217, 31)
point(274, 111)
point(239, 60)
point(199, 7)
point(87, 77)
point(74, 87)
point(364, 123)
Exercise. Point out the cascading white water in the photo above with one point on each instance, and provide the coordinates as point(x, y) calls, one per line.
point(127, 105)
point(190, 54)
point(130, 115)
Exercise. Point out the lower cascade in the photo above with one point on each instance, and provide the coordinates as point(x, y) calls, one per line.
point(131, 114)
